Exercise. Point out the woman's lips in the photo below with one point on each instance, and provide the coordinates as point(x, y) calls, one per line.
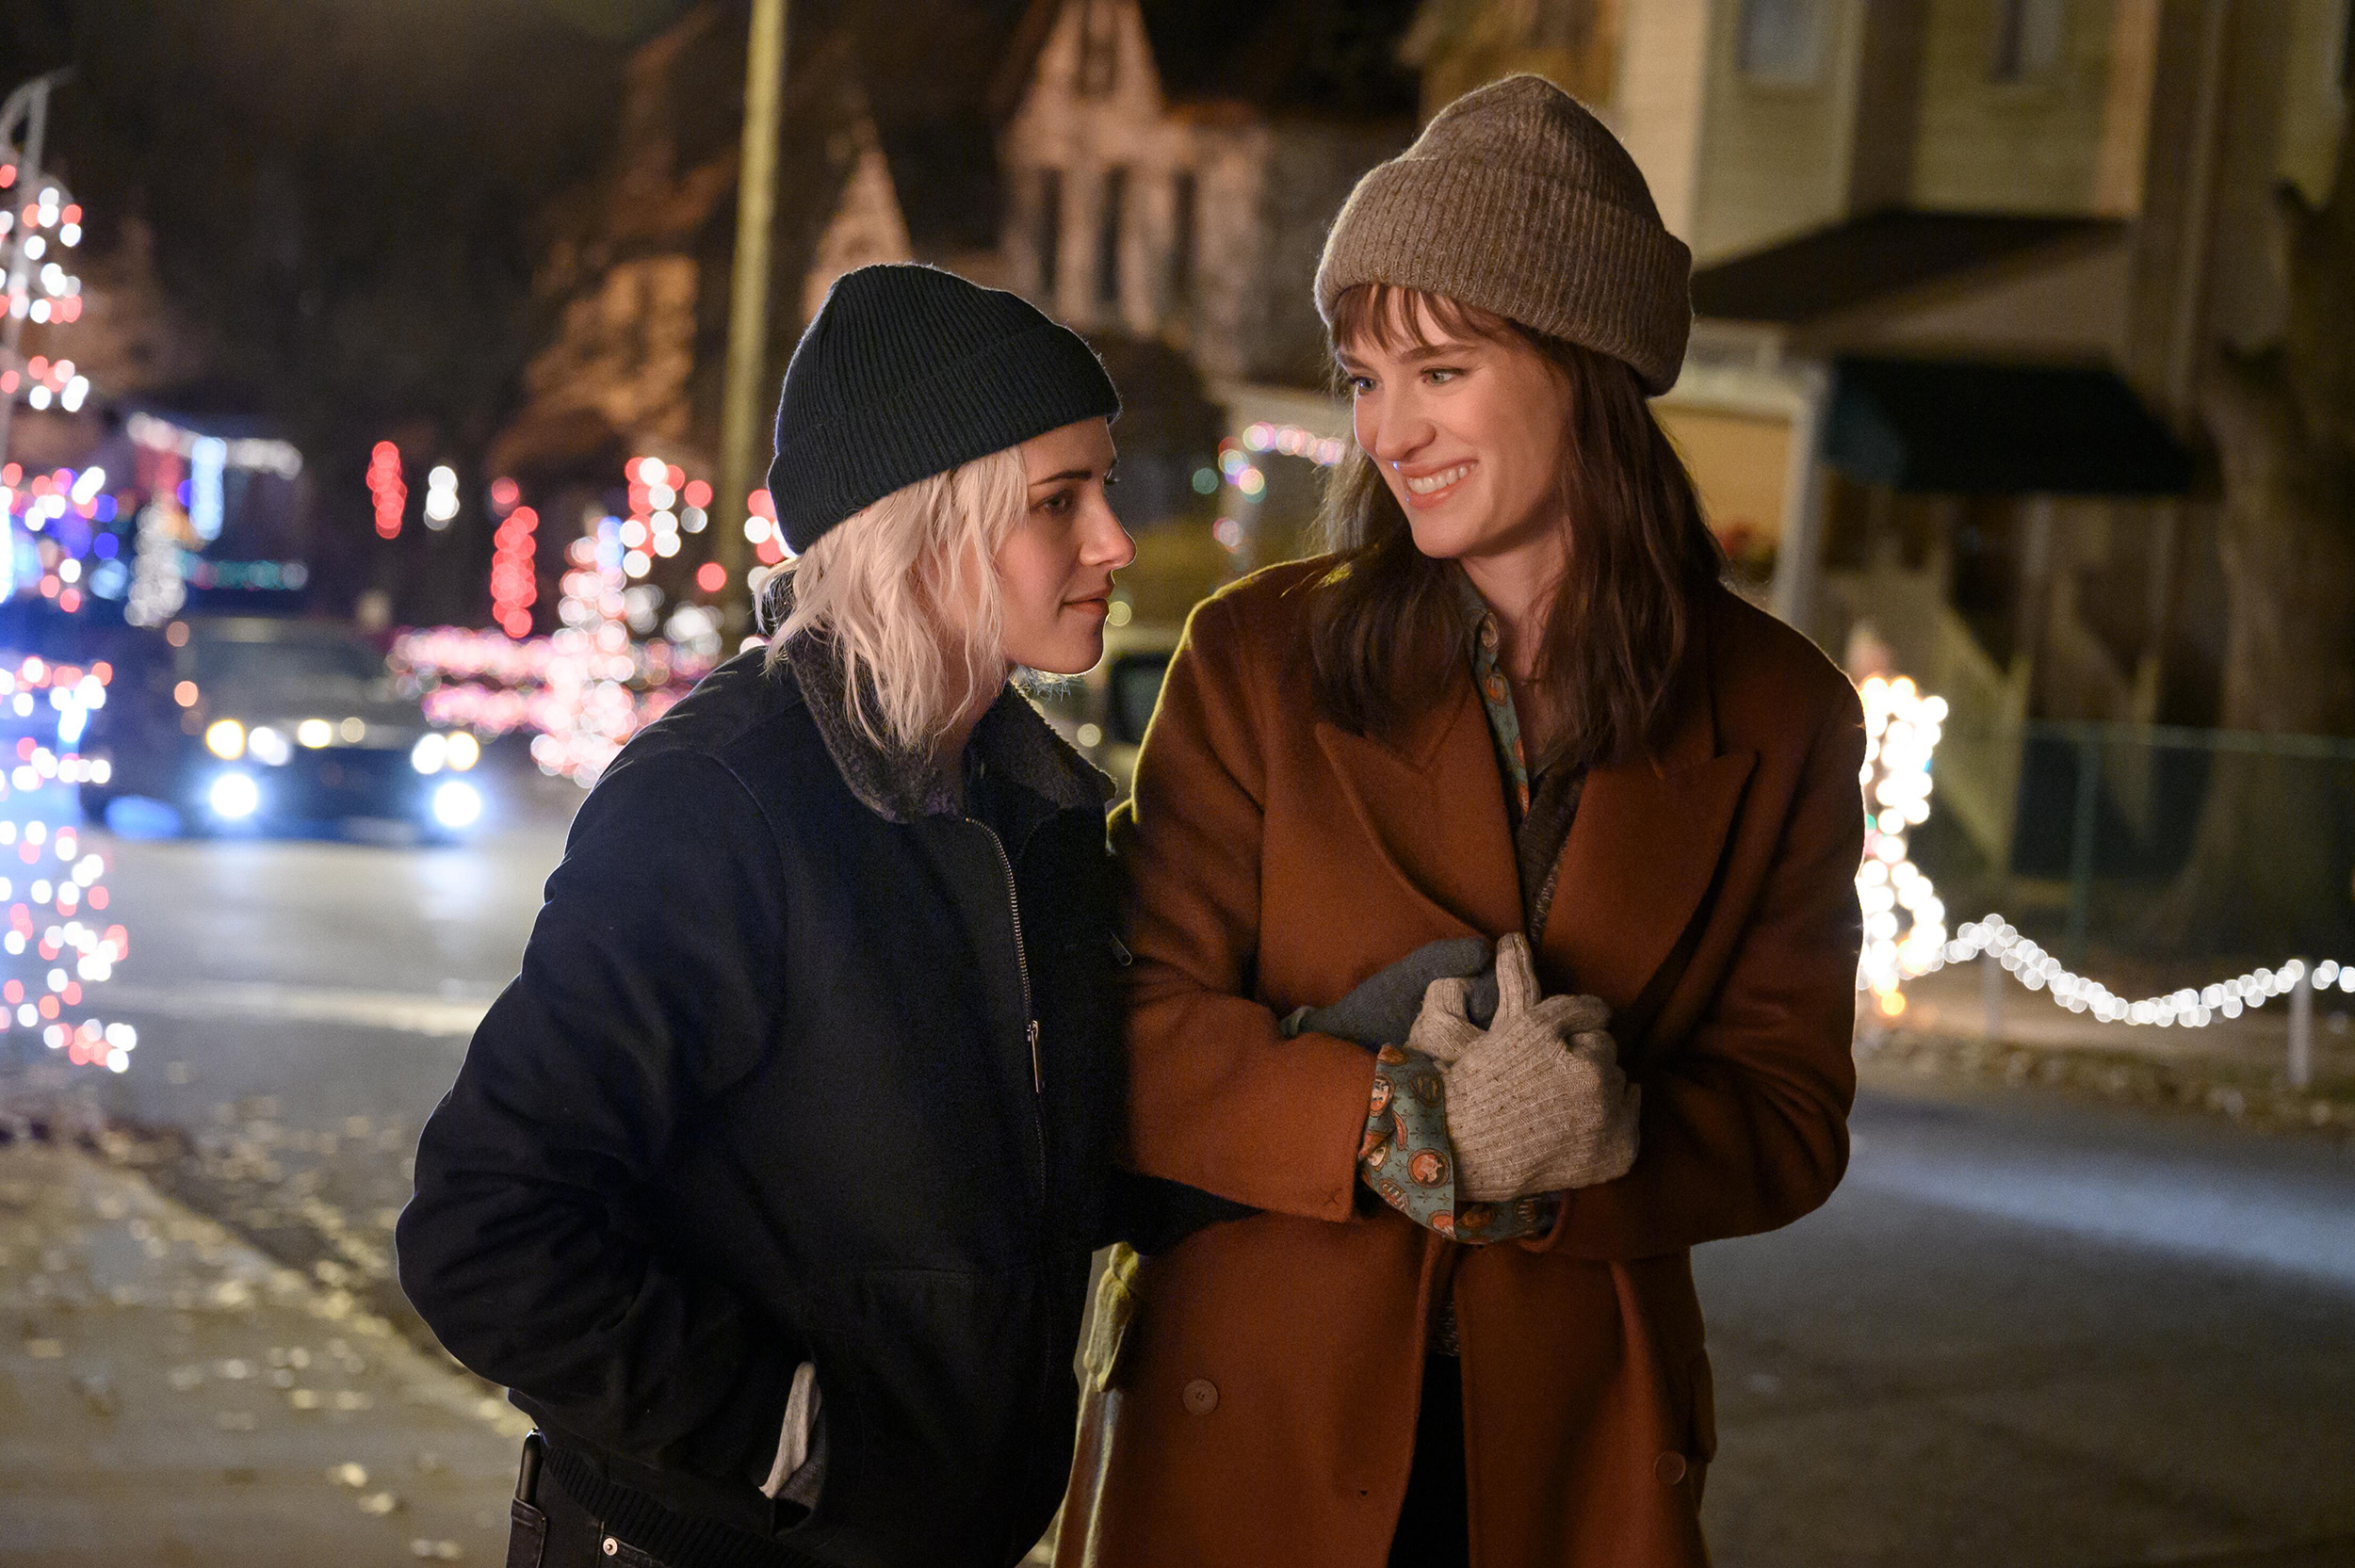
point(1430, 490)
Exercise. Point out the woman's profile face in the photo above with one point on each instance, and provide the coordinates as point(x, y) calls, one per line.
point(1055, 568)
point(1468, 434)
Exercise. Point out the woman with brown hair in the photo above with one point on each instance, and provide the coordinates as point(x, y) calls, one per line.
point(1452, 1317)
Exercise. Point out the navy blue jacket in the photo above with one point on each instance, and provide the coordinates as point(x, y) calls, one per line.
point(803, 1064)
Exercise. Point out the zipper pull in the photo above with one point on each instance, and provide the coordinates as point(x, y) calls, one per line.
point(1038, 1079)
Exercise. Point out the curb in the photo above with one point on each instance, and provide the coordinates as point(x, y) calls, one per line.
point(2257, 1098)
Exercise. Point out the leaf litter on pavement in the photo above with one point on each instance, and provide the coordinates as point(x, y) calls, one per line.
point(134, 1298)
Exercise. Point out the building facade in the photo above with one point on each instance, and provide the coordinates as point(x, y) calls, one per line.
point(1896, 208)
point(1136, 206)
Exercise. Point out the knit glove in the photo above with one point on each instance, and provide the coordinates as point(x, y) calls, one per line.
point(1380, 1009)
point(1535, 1102)
point(1405, 1157)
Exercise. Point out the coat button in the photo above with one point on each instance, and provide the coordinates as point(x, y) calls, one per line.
point(1200, 1396)
point(611, 1547)
point(1670, 1469)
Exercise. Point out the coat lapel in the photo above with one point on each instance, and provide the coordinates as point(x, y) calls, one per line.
point(1643, 851)
point(1641, 856)
point(1432, 802)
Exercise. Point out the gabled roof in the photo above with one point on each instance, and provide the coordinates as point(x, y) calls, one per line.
point(1326, 59)
point(1336, 60)
point(1873, 257)
point(928, 68)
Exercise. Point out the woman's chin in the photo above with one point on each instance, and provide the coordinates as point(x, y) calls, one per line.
point(1073, 654)
point(1443, 538)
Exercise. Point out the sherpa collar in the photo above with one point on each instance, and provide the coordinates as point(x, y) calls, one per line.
point(901, 786)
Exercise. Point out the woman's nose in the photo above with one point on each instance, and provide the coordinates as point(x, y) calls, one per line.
point(1390, 431)
point(1105, 542)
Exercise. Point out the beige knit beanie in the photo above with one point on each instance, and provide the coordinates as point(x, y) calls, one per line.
point(1517, 200)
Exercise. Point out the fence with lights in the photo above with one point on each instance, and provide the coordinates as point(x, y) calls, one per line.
point(2076, 854)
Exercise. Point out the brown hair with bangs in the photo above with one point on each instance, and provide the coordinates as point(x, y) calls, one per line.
point(1640, 558)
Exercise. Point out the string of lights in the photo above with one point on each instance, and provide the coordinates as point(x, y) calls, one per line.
point(514, 570)
point(613, 664)
point(766, 536)
point(441, 497)
point(56, 947)
point(54, 535)
point(40, 288)
point(40, 224)
point(44, 381)
point(386, 488)
point(1237, 470)
point(1905, 932)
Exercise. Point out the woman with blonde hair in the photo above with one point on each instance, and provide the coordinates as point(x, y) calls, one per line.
point(1512, 712)
point(768, 1187)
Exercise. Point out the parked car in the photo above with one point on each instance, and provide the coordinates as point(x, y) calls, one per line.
point(246, 720)
point(1104, 712)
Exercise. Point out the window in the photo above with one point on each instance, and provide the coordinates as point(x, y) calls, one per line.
point(1099, 47)
point(2028, 38)
point(1183, 198)
point(1107, 238)
point(1046, 232)
point(1782, 41)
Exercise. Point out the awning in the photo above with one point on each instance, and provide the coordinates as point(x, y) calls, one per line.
point(1868, 261)
point(1947, 426)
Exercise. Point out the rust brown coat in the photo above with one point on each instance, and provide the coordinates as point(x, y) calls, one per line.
point(1264, 1402)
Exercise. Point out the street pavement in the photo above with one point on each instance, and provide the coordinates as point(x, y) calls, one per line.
point(2026, 1331)
point(2033, 1331)
point(169, 1396)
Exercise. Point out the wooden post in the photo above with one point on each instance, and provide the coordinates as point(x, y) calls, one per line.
point(748, 393)
point(2083, 825)
point(2302, 1027)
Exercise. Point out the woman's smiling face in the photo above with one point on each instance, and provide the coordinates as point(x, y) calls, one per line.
point(1467, 430)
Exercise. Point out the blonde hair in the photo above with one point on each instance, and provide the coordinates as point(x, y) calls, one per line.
point(882, 582)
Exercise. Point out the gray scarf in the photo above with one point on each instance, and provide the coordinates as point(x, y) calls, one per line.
point(899, 784)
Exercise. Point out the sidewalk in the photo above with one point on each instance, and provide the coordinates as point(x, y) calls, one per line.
point(169, 1396)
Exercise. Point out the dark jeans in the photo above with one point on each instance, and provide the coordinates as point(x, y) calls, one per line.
point(1435, 1522)
point(573, 1538)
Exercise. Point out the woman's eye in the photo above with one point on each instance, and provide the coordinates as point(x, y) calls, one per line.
point(1059, 502)
point(1359, 385)
point(1441, 374)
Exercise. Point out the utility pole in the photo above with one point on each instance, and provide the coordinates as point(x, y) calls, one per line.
point(747, 388)
point(28, 107)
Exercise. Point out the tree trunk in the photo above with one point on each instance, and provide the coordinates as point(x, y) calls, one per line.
point(2273, 863)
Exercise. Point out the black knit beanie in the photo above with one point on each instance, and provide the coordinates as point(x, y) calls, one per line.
point(909, 371)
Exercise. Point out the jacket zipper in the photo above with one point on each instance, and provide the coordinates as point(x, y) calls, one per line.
point(1030, 1018)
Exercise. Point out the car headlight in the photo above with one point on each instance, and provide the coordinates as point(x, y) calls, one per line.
point(430, 753)
point(268, 746)
point(225, 739)
point(464, 750)
point(314, 733)
point(234, 797)
point(457, 804)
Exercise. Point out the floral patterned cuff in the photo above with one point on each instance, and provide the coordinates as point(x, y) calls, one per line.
point(1410, 1161)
